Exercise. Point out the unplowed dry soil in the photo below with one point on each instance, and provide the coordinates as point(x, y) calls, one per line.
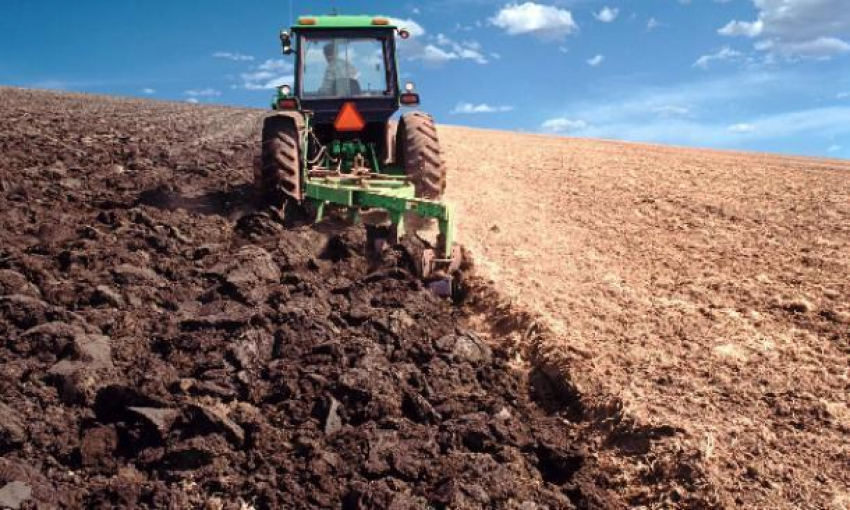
point(701, 297)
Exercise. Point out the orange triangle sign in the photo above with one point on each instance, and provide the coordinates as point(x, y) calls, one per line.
point(349, 119)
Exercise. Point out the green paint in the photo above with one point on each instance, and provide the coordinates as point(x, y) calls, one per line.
point(344, 22)
point(396, 196)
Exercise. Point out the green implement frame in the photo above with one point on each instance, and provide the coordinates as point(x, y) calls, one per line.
point(395, 195)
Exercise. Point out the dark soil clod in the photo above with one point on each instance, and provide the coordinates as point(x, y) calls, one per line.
point(188, 349)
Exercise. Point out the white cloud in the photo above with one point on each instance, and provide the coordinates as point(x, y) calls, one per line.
point(596, 61)
point(742, 128)
point(439, 49)
point(652, 24)
point(543, 21)
point(834, 148)
point(468, 108)
point(446, 49)
point(207, 92)
point(236, 57)
point(410, 25)
point(672, 110)
point(820, 48)
point(607, 14)
point(435, 55)
point(265, 80)
point(268, 75)
point(192, 100)
point(724, 54)
point(563, 125)
point(842, 95)
point(742, 28)
point(275, 65)
point(148, 91)
point(640, 113)
point(797, 28)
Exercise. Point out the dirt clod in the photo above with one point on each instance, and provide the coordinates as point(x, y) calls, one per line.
point(170, 347)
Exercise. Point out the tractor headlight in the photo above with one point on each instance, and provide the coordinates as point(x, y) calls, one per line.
point(285, 90)
point(409, 87)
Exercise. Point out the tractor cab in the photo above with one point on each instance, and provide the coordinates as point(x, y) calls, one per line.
point(340, 60)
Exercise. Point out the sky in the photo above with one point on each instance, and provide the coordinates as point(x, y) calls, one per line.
point(755, 75)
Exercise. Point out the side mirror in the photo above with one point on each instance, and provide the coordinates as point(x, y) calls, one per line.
point(286, 43)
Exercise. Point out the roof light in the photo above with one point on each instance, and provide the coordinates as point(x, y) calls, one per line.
point(409, 87)
point(349, 119)
point(307, 21)
point(380, 21)
point(286, 90)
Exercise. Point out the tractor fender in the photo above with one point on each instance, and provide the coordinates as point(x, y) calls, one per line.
point(298, 119)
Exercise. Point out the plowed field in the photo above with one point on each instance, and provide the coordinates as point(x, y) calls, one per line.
point(647, 327)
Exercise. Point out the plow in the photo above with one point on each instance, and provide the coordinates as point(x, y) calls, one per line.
point(334, 141)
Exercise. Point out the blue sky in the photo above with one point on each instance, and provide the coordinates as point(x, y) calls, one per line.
point(761, 75)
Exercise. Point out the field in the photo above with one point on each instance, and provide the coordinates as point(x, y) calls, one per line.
point(703, 295)
point(646, 326)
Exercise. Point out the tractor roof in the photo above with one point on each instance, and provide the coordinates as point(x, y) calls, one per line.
point(349, 22)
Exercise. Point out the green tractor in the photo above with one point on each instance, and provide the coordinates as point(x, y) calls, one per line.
point(331, 140)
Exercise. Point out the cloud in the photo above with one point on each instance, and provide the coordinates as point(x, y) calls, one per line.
point(410, 25)
point(436, 50)
point(563, 125)
point(268, 75)
point(834, 148)
point(445, 49)
point(543, 21)
point(797, 28)
point(652, 24)
point(742, 128)
point(236, 57)
point(842, 95)
point(607, 14)
point(670, 110)
point(148, 91)
point(596, 61)
point(724, 54)
point(207, 92)
point(742, 28)
point(192, 100)
point(644, 113)
point(469, 108)
point(820, 48)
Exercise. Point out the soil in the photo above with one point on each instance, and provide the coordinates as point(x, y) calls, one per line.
point(167, 346)
point(699, 296)
point(646, 327)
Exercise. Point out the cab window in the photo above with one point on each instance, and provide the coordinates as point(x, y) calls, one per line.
point(344, 67)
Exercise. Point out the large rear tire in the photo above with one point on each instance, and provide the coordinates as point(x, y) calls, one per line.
point(280, 167)
point(418, 151)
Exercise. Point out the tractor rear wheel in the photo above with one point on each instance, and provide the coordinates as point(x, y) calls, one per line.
point(280, 172)
point(418, 151)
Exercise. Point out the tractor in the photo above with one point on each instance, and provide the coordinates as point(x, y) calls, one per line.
point(332, 141)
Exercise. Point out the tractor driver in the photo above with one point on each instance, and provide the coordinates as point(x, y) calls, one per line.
point(340, 76)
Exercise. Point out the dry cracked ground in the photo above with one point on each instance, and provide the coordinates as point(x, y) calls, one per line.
point(646, 327)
